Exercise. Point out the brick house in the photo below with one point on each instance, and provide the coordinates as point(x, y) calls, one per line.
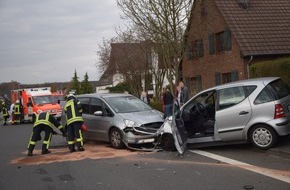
point(224, 37)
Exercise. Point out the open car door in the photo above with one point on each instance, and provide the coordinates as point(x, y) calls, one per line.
point(178, 130)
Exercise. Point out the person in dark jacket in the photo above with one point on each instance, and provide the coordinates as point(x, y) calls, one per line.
point(5, 113)
point(168, 103)
point(43, 122)
point(74, 121)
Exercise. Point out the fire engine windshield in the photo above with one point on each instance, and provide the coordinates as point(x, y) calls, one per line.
point(39, 100)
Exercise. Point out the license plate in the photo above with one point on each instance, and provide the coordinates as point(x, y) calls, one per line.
point(146, 140)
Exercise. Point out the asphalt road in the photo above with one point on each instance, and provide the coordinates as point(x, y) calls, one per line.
point(102, 167)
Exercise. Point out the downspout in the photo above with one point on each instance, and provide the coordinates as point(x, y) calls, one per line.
point(248, 66)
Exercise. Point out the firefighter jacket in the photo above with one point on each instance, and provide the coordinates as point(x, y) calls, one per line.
point(45, 118)
point(73, 111)
point(17, 109)
point(5, 112)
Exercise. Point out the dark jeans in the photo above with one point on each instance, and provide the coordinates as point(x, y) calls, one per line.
point(168, 110)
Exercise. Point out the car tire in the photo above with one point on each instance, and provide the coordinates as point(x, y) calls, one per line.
point(263, 137)
point(116, 138)
point(167, 142)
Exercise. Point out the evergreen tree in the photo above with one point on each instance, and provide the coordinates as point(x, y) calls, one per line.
point(86, 86)
point(76, 86)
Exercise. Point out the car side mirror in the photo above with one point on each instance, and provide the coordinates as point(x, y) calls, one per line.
point(98, 113)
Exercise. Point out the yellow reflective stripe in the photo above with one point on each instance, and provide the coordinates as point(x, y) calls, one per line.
point(74, 120)
point(17, 109)
point(45, 122)
point(48, 141)
point(60, 127)
point(81, 138)
point(32, 142)
point(70, 142)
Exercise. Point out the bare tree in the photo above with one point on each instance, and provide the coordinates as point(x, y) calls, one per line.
point(163, 22)
point(103, 53)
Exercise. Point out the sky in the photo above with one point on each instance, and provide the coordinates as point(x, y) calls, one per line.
point(47, 40)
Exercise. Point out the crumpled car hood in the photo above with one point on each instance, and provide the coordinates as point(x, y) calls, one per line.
point(143, 117)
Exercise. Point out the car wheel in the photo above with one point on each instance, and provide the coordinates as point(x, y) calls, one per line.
point(116, 140)
point(263, 137)
point(167, 142)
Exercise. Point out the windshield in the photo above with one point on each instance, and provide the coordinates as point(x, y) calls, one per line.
point(39, 100)
point(126, 104)
point(58, 97)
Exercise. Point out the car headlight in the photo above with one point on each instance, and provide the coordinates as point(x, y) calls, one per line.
point(130, 123)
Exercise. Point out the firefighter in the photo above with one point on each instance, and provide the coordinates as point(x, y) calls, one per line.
point(5, 113)
point(17, 112)
point(43, 122)
point(74, 121)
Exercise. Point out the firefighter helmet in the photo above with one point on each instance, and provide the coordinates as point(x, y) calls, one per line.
point(70, 97)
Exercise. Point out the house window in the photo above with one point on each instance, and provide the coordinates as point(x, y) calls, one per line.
point(197, 49)
point(221, 78)
point(195, 84)
point(220, 42)
point(211, 44)
point(226, 77)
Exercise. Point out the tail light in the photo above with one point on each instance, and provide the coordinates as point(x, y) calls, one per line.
point(279, 111)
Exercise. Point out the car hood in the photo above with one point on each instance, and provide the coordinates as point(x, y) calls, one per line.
point(143, 117)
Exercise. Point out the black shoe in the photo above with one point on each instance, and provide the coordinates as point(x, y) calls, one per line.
point(72, 150)
point(29, 154)
point(81, 149)
point(45, 152)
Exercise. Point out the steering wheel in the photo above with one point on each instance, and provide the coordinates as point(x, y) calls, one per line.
point(201, 109)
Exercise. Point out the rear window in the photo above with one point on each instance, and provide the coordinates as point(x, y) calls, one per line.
point(280, 88)
point(264, 96)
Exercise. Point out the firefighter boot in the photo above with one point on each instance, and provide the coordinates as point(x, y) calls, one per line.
point(44, 149)
point(71, 148)
point(30, 150)
point(80, 147)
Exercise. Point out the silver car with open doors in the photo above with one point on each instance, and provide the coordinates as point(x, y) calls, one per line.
point(254, 110)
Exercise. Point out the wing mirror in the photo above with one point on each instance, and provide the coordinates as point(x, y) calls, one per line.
point(98, 113)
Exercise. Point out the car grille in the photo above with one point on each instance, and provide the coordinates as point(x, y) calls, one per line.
point(149, 127)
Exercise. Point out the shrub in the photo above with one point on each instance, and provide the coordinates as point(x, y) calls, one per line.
point(156, 105)
point(275, 68)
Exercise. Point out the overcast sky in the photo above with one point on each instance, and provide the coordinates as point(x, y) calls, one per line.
point(46, 40)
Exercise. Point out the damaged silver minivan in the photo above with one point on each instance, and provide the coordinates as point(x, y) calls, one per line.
point(254, 110)
point(121, 119)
